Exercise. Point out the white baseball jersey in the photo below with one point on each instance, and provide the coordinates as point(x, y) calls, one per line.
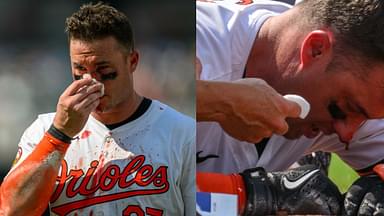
point(225, 32)
point(146, 166)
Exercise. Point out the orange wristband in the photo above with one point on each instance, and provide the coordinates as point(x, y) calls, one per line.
point(59, 144)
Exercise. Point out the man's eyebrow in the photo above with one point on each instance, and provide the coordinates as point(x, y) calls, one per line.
point(358, 108)
point(363, 111)
point(100, 63)
point(77, 65)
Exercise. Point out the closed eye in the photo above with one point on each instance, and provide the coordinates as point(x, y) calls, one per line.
point(109, 76)
point(78, 66)
point(77, 77)
point(335, 111)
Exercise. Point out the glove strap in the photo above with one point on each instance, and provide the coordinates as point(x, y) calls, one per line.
point(260, 196)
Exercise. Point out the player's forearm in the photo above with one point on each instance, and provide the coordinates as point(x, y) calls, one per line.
point(211, 103)
point(28, 188)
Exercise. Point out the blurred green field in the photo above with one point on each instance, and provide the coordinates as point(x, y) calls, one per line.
point(341, 173)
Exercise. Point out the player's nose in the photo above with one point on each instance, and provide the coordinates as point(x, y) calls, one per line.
point(347, 127)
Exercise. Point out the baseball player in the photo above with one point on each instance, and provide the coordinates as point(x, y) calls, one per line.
point(329, 52)
point(106, 150)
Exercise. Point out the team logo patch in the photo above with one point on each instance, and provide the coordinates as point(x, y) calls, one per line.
point(18, 155)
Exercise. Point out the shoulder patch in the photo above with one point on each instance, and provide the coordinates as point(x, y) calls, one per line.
point(18, 156)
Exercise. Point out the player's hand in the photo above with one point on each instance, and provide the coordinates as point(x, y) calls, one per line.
point(247, 109)
point(365, 197)
point(258, 111)
point(303, 190)
point(75, 105)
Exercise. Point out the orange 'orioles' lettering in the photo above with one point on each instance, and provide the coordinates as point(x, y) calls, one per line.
point(141, 175)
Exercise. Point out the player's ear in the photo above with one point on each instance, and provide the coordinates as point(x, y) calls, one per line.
point(316, 46)
point(133, 59)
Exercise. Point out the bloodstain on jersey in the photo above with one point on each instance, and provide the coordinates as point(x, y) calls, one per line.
point(81, 162)
point(241, 2)
point(85, 134)
point(244, 2)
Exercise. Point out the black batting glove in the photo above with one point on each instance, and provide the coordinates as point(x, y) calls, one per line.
point(366, 195)
point(303, 190)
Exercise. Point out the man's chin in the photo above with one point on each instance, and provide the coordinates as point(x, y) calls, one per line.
point(297, 135)
point(292, 136)
point(101, 108)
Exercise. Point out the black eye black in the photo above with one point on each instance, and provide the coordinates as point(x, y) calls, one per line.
point(335, 111)
point(77, 77)
point(109, 76)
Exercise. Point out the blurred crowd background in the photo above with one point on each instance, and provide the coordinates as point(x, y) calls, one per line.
point(35, 67)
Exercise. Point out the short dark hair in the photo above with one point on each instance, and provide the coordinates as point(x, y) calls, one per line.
point(358, 25)
point(98, 21)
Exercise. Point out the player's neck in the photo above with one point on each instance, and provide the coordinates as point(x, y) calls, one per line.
point(261, 62)
point(269, 53)
point(121, 111)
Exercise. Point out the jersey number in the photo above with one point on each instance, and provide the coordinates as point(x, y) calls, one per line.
point(134, 210)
